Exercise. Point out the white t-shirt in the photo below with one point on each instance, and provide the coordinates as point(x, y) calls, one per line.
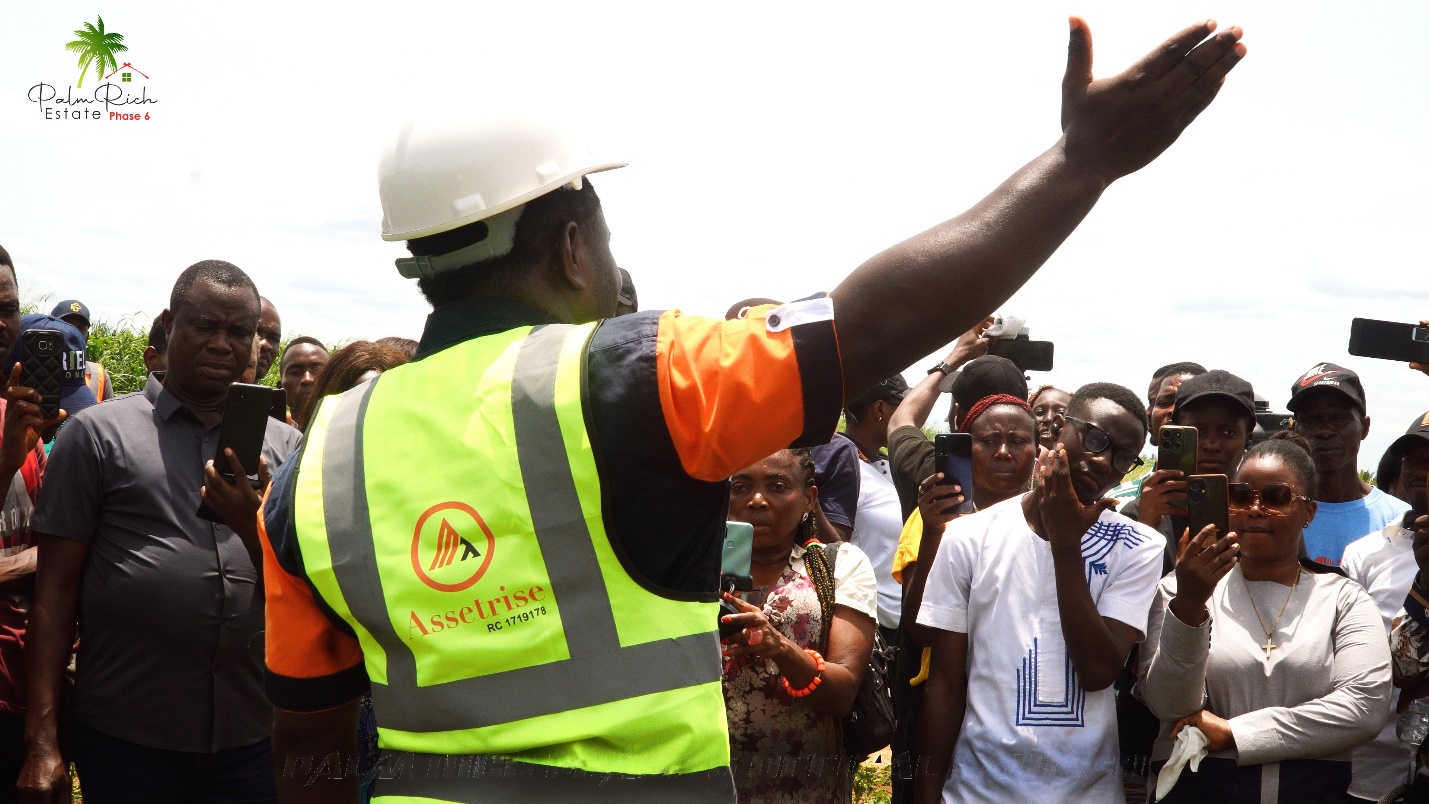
point(875, 532)
point(1031, 732)
point(1383, 563)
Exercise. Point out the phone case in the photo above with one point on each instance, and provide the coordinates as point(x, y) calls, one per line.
point(1207, 496)
point(245, 422)
point(43, 367)
point(953, 457)
point(738, 549)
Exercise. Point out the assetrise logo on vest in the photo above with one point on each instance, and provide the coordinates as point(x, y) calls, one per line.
point(451, 546)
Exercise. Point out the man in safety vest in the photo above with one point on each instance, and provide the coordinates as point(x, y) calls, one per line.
point(75, 313)
point(513, 541)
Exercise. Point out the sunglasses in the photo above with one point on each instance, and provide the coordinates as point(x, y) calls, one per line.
point(1274, 498)
point(1095, 441)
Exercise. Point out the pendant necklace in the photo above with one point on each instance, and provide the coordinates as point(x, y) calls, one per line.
point(1270, 632)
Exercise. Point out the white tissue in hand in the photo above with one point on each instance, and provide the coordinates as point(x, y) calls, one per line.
point(1190, 749)
point(1006, 326)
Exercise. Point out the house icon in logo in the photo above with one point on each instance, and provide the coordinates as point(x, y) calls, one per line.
point(126, 73)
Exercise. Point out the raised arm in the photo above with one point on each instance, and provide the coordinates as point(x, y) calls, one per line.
point(948, 277)
point(916, 406)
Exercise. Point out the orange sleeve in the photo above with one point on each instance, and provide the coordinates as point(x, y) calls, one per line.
point(734, 392)
point(310, 662)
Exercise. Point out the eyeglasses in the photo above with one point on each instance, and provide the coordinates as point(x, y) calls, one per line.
point(1274, 498)
point(1096, 441)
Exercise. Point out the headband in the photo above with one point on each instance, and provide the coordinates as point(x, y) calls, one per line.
point(988, 401)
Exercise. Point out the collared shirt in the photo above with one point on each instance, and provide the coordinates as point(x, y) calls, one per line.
point(171, 621)
point(674, 405)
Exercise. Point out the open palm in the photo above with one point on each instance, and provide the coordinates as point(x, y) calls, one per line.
point(97, 47)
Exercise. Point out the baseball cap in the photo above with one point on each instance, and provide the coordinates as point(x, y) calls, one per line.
point(1214, 383)
point(74, 393)
point(1331, 377)
point(1418, 429)
point(894, 388)
point(987, 376)
point(71, 307)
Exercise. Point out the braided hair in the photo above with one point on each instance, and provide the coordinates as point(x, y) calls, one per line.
point(816, 561)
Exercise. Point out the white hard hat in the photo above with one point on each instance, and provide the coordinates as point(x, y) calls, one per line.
point(436, 176)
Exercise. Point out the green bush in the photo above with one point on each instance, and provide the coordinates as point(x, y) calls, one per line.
point(872, 784)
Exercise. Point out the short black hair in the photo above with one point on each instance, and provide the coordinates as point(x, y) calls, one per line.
point(536, 232)
point(159, 337)
point(1294, 450)
point(1171, 370)
point(1124, 398)
point(301, 339)
point(217, 272)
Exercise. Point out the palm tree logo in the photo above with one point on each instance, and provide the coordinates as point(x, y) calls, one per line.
point(96, 46)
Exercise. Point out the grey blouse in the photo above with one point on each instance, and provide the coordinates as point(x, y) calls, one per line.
point(1324, 690)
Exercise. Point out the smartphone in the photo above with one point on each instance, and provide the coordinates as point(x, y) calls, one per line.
point(44, 365)
point(245, 421)
point(1389, 340)
point(738, 548)
point(953, 456)
point(279, 410)
point(1177, 448)
point(1207, 497)
point(1028, 355)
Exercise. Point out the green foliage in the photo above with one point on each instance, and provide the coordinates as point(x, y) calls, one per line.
point(1148, 462)
point(872, 784)
point(1368, 477)
point(120, 347)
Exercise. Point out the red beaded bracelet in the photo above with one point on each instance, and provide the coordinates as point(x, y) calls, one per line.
point(813, 684)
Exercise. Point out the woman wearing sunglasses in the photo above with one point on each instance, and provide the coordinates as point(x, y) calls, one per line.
point(1281, 662)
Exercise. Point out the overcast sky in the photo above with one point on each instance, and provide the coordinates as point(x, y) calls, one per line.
point(773, 148)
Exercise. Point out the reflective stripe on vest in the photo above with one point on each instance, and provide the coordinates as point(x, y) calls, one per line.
point(660, 688)
point(94, 378)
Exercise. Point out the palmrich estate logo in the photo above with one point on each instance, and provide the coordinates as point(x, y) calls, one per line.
point(115, 99)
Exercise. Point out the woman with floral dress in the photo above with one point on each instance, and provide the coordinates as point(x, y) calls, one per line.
point(792, 672)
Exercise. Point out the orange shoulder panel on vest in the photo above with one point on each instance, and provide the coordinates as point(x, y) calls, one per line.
point(730, 391)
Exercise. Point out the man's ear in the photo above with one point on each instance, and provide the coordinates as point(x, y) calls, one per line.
point(572, 267)
point(166, 320)
point(1364, 428)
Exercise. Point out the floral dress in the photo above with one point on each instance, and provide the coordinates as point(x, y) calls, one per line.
point(782, 750)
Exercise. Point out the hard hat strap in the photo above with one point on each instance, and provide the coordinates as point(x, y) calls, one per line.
point(499, 240)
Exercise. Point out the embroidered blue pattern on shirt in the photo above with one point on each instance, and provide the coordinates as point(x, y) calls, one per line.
point(1033, 710)
point(1099, 541)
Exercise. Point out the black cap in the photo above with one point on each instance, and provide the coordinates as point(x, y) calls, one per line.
point(1216, 383)
point(1417, 430)
point(987, 376)
point(71, 307)
point(894, 388)
point(1330, 377)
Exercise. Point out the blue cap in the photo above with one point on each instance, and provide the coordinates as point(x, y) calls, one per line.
point(74, 393)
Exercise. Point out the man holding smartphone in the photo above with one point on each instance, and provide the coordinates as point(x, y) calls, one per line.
point(587, 472)
point(168, 697)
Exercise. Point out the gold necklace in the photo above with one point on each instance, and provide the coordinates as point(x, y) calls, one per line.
point(1270, 632)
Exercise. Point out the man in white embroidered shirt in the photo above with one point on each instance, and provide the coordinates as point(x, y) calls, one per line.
point(1036, 603)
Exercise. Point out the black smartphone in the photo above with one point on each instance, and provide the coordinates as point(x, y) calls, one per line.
point(245, 421)
point(953, 456)
point(1028, 355)
point(44, 363)
point(1389, 340)
point(1176, 449)
point(1208, 505)
point(279, 410)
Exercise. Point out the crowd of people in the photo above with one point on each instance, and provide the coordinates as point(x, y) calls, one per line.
point(484, 566)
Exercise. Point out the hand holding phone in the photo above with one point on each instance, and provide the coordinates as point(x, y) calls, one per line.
point(1208, 505)
point(245, 423)
point(43, 359)
point(1176, 450)
point(953, 456)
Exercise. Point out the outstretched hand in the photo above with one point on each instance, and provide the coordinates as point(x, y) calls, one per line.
point(1116, 126)
point(1063, 515)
